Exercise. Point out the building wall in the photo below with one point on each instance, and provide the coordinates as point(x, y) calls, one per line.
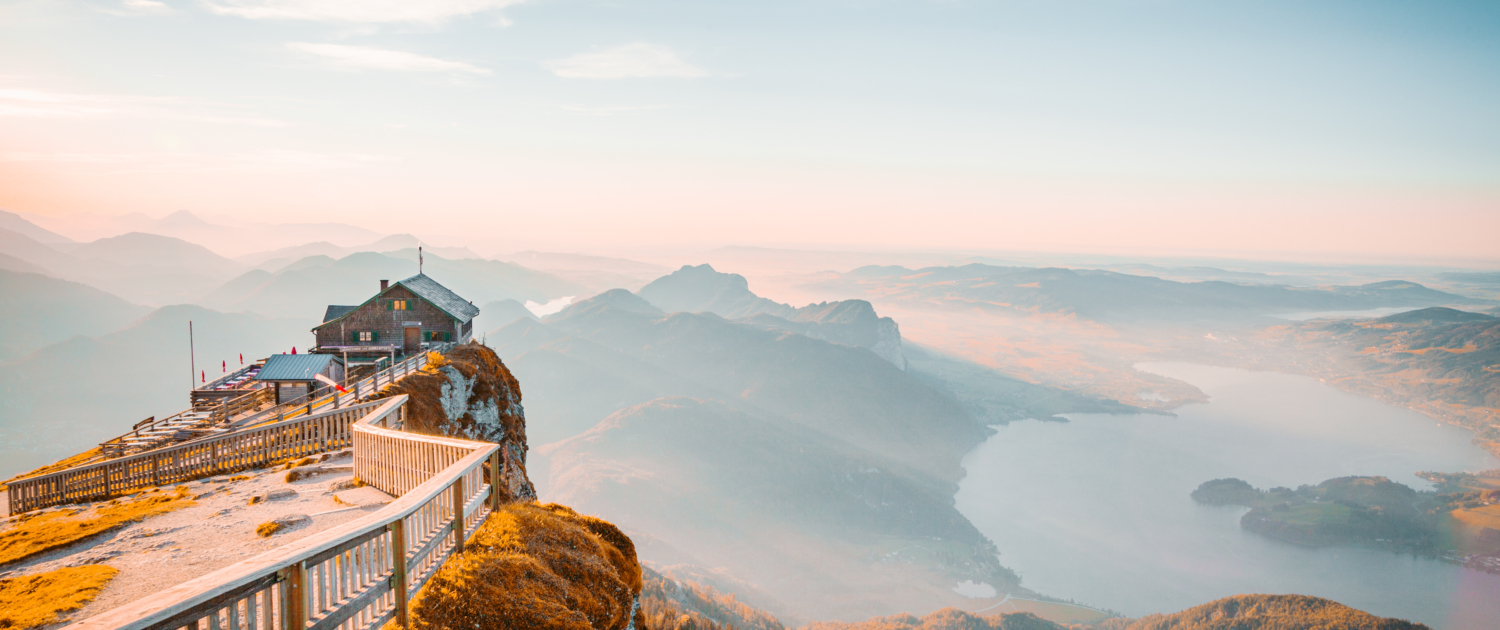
point(387, 324)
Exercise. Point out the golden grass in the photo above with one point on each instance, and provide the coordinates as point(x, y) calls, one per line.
point(434, 362)
point(36, 600)
point(1487, 516)
point(532, 566)
point(268, 529)
point(41, 533)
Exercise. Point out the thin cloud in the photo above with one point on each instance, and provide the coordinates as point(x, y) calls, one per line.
point(609, 110)
point(140, 7)
point(268, 160)
point(24, 103)
point(366, 11)
point(631, 61)
point(381, 59)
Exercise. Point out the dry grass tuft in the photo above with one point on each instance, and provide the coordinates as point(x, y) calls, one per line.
point(435, 362)
point(306, 461)
point(535, 566)
point(54, 530)
point(268, 529)
point(36, 600)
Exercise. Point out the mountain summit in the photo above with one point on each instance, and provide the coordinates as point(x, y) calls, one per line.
point(702, 289)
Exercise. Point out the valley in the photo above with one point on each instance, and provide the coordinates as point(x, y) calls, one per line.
point(829, 461)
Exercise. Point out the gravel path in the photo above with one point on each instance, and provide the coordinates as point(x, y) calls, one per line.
point(219, 530)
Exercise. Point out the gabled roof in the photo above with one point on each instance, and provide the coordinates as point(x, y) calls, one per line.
point(294, 367)
point(334, 312)
point(439, 295)
point(425, 288)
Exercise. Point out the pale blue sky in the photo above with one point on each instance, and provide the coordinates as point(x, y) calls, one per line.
point(699, 117)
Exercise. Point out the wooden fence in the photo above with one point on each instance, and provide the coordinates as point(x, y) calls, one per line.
point(309, 404)
point(358, 576)
point(227, 452)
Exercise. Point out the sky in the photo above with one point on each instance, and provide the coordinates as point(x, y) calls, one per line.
point(1364, 129)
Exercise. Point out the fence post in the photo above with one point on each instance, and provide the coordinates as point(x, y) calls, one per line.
point(458, 515)
point(495, 471)
point(294, 601)
point(398, 575)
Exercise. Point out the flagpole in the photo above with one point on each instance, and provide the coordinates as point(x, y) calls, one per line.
point(192, 361)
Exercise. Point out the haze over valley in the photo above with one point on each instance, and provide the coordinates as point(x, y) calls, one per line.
point(662, 315)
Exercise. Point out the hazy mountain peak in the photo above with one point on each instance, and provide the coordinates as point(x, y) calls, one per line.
point(697, 289)
point(13, 222)
point(613, 298)
point(1437, 314)
point(392, 242)
point(183, 219)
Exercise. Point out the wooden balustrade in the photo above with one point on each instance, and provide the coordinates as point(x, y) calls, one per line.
point(357, 576)
point(228, 452)
point(221, 415)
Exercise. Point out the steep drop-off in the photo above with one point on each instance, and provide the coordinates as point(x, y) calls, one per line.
point(469, 393)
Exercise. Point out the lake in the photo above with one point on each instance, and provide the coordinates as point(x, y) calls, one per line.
point(1097, 509)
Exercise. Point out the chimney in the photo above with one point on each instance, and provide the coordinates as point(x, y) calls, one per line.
point(384, 284)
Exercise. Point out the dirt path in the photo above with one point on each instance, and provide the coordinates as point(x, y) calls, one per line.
point(219, 530)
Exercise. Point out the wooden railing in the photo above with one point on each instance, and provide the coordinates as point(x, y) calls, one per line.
point(227, 452)
point(357, 576)
point(282, 432)
point(220, 416)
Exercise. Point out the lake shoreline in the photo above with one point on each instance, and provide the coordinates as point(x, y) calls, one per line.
point(1097, 509)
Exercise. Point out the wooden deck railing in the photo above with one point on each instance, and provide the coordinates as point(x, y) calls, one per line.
point(227, 452)
point(357, 576)
point(148, 435)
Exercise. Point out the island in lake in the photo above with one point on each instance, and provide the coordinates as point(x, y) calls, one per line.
point(1459, 521)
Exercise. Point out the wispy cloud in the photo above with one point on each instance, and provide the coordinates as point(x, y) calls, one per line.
point(367, 11)
point(269, 160)
point(631, 61)
point(381, 59)
point(609, 110)
point(39, 104)
point(139, 8)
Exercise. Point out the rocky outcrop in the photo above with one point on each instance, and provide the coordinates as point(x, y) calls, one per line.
point(469, 393)
point(536, 566)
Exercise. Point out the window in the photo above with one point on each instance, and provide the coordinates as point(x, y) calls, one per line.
point(398, 305)
point(366, 336)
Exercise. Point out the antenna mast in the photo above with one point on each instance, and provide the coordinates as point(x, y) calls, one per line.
point(419, 260)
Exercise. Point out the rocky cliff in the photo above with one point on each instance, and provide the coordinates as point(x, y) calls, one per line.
point(469, 393)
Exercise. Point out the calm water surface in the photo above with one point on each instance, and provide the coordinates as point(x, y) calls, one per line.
point(1097, 509)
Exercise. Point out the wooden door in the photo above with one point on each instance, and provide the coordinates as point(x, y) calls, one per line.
point(413, 341)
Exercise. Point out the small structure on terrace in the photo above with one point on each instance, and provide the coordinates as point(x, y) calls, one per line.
point(296, 375)
point(404, 318)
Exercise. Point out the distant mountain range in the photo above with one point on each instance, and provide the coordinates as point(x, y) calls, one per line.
point(143, 268)
point(234, 240)
point(1106, 295)
point(701, 289)
point(274, 260)
point(730, 443)
point(1442, 361)
point(305, 287)
point(137, 371)
point(51, 310)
